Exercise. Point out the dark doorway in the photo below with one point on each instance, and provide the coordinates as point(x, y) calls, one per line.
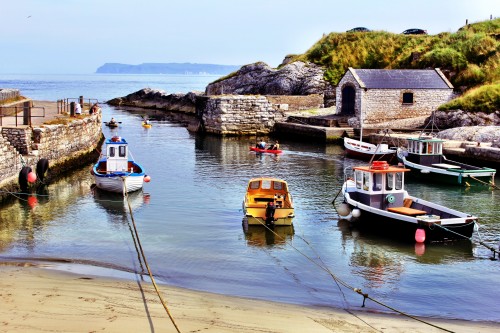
point(348, 98)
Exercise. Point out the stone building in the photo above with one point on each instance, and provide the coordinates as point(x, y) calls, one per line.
point(385, 95)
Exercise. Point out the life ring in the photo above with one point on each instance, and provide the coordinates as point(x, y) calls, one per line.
point(380, 165)
point(41, 168)
point(116, 139)
point(390, 198)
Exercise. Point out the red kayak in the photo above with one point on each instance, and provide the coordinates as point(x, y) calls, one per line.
point(259, 150)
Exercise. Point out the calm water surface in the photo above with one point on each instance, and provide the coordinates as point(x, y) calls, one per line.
point(189, 219)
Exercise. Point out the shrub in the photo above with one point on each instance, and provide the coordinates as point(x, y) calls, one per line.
point(485, 98)
point(444, 57)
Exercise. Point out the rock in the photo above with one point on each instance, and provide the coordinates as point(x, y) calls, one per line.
point(489, 134)
point(459, 118)
point(159, 99)
point(296, 78)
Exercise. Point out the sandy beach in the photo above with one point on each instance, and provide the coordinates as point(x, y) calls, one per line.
point(37, 299)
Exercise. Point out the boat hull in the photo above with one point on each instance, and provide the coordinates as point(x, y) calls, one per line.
point(268, 151)
point(366, 151)
point(405, 231)
point(119, 183)
point(257, 216)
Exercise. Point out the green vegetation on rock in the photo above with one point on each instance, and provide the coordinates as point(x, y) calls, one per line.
point(485, 98)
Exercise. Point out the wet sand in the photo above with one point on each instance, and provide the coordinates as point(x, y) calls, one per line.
point(37, 299)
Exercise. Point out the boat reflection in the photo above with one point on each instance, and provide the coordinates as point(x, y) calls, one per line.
point(259, 235)
point(117, 205)
point(434, 253)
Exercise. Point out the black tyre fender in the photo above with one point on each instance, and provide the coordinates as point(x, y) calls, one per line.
point(41, 168)
point(23, 178)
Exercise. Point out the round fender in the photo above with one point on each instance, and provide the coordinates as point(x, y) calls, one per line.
point(390, 198)
point(41, 168)
point(23, 178)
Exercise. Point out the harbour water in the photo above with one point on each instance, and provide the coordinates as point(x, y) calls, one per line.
point(189, 219)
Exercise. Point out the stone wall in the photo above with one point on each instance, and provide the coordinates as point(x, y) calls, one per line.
point(61, 144)
point(379, 105)
point(298, 103)
point(386, 105)
point(240, 115)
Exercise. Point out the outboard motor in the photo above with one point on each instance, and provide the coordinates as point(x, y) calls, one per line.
point(270, 209)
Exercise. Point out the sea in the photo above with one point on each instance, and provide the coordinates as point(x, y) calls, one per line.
point(189, 219)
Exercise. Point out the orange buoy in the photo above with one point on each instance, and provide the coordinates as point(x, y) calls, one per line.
point(147, 179)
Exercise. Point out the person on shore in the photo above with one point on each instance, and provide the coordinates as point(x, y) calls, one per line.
point(78, 108)
point(94, 109)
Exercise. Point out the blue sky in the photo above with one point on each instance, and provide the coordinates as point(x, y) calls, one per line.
point(78, 36)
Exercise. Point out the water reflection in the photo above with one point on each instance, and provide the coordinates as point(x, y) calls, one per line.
point(259, 235)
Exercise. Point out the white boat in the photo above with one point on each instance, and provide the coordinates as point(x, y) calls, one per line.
point(375, 199)
point(366, 151)
point(116, 171)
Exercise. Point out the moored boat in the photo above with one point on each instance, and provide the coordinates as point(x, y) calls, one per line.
point(116, 170)
point(424, 156)
point(270, 151)
point(268, 201)
point(366, 151)
point(375, 199)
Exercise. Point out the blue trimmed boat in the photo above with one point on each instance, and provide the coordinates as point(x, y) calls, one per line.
point(116, 171)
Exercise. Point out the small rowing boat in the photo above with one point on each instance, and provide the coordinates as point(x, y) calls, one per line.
point(269, 151)
point(146, 125)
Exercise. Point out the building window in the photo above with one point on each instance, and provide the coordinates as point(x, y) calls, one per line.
point(407, 98)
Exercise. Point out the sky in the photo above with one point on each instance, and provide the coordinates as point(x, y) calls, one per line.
point(78, 36)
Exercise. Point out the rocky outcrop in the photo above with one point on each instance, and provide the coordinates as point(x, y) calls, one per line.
point(159, 99)
point(490, 134)
point(459, 118)
point(296, 78)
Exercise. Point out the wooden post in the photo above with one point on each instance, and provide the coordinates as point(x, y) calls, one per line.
point(27, 113)
point(72, 109)
point(81, 102)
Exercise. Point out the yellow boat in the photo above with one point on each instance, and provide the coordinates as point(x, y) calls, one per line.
point(268, 202)
point(148, 125)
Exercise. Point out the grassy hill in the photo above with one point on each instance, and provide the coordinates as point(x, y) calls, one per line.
point(470, 58)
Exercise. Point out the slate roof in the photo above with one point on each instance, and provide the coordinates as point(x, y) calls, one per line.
point(401, 78)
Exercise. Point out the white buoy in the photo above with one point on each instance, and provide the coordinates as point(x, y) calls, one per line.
point(356, 213)
point(344, 210)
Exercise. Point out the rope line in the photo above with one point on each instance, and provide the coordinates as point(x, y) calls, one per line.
point(146, 263)
point(346, 285)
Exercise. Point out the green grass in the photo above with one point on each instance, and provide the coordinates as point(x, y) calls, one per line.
point(470, 56)
point(485, 99)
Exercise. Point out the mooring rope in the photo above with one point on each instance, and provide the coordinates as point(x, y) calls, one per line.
point(147, 265)
point(485, 183)
point(469, 238)
point(346, 285)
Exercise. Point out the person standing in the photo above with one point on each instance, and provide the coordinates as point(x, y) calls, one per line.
point(78, 108)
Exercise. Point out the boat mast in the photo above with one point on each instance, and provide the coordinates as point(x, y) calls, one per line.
point(360, 125)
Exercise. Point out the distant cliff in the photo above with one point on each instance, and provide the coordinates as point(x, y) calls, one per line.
point(166, 68)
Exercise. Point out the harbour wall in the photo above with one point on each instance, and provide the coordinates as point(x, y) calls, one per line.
point(61, 144)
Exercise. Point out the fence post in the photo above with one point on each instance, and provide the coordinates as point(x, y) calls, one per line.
point(72, 109)
point(81, 102)
point(27, 113)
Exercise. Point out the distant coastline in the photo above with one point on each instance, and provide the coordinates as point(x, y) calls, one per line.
point(167, 68)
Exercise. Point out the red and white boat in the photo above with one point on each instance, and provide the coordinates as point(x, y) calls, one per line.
point(366, 151)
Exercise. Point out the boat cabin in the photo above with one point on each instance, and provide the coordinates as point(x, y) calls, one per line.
point(261, 191)
point(425, 150)
point(380, 185)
